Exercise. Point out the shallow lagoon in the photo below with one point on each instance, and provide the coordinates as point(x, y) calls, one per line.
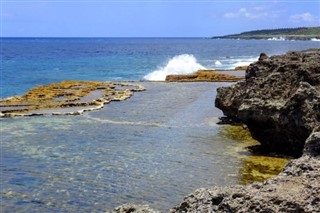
point(154, 148)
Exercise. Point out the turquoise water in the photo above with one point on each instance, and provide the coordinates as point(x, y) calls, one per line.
point(154, 148)
point(30, 62)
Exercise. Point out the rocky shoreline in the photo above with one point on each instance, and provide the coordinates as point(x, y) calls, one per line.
point(279, 101)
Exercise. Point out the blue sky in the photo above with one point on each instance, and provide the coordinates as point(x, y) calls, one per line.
point(153, 18)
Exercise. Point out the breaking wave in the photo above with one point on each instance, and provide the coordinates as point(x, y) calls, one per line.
point(232, 62)
point(180, 64)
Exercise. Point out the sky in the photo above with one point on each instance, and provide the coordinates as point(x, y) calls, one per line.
point(151, 18)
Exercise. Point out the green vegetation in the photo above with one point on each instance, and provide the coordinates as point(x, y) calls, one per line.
point(310, 31)
point(300, 33)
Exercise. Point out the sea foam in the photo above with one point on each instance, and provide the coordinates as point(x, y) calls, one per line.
point(180, 64)
point(234, 61)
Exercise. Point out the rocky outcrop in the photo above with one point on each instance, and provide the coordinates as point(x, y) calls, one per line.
point(279, 100)
point(133, 208)
point(203, 75)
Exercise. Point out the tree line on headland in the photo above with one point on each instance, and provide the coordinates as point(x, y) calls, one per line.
point(299, 33)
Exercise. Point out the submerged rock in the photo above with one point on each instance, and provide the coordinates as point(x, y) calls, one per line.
point(296, 189)
point(279, 100)
point(260, 168)
point(257, 167)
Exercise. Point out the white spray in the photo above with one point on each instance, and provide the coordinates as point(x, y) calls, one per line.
point(181, 64)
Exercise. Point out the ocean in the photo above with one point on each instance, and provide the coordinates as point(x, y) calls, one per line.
point(154, 148)
point(28, 62)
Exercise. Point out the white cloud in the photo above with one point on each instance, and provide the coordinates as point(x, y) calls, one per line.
point(304, 17)
point(252, 13)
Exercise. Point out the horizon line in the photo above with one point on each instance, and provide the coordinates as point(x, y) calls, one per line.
point(106, 37)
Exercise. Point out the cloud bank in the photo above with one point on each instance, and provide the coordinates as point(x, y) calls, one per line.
point(304, 17)
point(252, 13)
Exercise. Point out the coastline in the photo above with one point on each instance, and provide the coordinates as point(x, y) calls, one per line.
point(131, 151)
point(297, 187)
point(76, 97)
point(270, 37)
point(301, 173)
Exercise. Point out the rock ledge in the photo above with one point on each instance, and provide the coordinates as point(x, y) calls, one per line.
point(279, 100)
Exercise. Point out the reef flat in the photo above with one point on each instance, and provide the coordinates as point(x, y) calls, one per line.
point(204, 75)
point(66, 98)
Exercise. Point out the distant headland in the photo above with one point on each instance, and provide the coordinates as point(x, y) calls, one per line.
point(300, 33)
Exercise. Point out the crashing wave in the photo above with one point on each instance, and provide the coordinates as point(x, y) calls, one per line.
point(180, 64)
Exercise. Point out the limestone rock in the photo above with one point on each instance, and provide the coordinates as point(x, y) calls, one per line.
point(203, 75)
point(66, 98)
point(279, 100)
point(132, 208)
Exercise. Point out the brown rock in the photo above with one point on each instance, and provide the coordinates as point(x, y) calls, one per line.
point(50, 99)
point(241, 68)
point(203, 75)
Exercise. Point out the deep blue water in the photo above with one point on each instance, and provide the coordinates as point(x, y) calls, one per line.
point(154, 148)
point(30, 62)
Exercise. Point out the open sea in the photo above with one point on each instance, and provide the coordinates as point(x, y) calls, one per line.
point(154, 148)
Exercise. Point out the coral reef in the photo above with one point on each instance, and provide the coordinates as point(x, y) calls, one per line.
point(66, 97)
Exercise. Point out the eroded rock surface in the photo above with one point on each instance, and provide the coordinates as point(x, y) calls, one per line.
point(133, 208)
point(203, 75)
point(66, 97)
point(279, 100)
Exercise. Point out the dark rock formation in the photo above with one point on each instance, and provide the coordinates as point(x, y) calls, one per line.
point(279, 100)
point(132, 208)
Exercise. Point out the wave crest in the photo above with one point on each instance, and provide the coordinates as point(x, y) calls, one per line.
point(180, 64)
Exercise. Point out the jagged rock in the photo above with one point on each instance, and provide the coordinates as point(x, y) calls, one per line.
point(132, 208)
point(312, 146)
point(279, 100)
